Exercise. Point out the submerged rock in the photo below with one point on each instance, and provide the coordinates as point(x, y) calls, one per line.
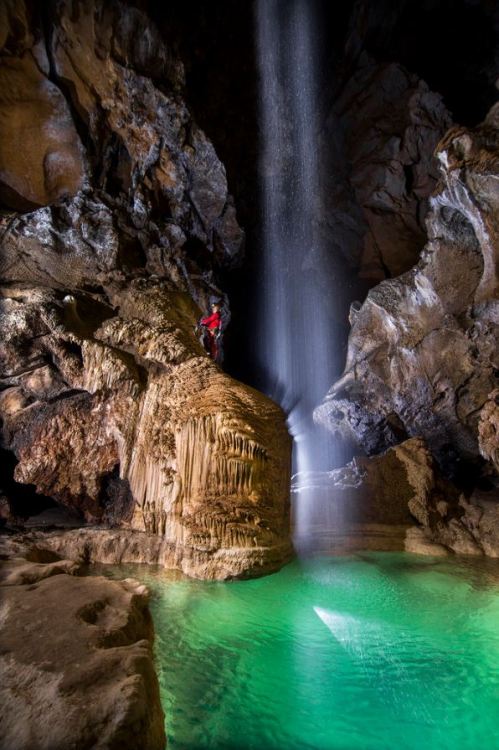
point(80, 673)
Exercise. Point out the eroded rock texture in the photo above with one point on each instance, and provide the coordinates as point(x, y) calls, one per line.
point(391, 123)
point(80, 674)
point(376, 489)
point(108, 401)
point(466, 524)
point(423, 350)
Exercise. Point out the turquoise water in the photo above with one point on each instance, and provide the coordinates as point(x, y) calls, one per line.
point(371, 651)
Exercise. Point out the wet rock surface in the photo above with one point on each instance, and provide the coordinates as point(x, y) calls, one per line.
point(76, 657)
point(134, 426)
point(422, 353)
point(466, 524)
point(379, 490)
point(109, 403)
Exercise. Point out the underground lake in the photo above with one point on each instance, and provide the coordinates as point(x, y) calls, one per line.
point(366, 651)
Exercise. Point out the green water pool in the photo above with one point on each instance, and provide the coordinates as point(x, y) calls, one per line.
point(371, 651)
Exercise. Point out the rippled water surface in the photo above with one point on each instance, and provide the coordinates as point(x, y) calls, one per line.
point(376, 650)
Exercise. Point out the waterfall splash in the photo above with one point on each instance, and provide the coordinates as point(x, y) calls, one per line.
point(296, 306)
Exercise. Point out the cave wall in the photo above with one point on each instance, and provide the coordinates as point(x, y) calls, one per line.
point(116, 219)
point(422, 357)
point(386, 99)
point(111, 192)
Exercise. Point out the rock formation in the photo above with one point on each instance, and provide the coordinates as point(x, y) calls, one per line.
point(455, 522)
point(114, 223)
point(77, 675)
point(363, 490)
point(391, 123)
point(422, 354)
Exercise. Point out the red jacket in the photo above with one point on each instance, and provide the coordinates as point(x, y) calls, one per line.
point(212, 321)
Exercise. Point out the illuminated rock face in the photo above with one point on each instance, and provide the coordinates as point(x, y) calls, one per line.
point(109, 403)
point(422, 354)
point(203, 461)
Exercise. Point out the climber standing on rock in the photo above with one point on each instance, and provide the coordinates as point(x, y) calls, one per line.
point(212, 327)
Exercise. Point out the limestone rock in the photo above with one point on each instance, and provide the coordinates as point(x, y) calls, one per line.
point(156, 196)
point(41, 155)
point(77, 675)
point(488, 429)
point(191, 456)
point(466, 525)
point(417, 542)
point(423, 350)
point(390, 123)
point(376, 490)
point(108, 402)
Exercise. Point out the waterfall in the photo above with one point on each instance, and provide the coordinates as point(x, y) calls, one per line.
point(295, 303)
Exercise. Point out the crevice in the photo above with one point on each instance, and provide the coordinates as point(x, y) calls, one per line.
point(66, 395)
point(23, 499)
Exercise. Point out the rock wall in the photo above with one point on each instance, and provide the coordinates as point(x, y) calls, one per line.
point(371, 490)
point(116, 217)
point(390, 123)
point(422, 353)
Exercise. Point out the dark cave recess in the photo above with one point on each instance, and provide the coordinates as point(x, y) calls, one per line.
point(451, 44)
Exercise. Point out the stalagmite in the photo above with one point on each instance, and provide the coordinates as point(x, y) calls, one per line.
point(198, 452)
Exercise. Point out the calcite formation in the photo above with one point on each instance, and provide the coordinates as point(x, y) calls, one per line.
point(80, 674)
point(200, 460)
point(108, 253)
point(423, 350)
point(488, 429)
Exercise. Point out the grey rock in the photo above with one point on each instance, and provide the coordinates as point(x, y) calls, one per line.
point(423, 350)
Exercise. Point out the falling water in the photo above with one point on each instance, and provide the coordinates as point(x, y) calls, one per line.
point(295, 346)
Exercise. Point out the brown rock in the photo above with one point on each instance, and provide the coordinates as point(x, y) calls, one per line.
point(203, 461)
point(77, 675)
point(464, 525)
point(109, 403)
point(488, 429)
point(417, 542)
point(377, 490)
point(157, 183)
point(382, 132)
point(156, 135)
point(41, 156)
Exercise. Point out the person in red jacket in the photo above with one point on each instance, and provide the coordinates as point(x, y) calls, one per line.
point(213, 332)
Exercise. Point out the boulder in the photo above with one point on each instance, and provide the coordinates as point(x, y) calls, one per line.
point(80, 674)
